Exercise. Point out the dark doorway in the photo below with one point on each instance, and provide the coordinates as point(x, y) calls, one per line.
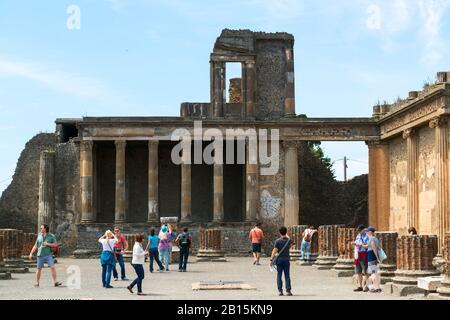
point(169, 179)
point(136, 181)
point(105, 186)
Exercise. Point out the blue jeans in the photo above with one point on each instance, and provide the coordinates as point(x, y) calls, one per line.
point(305, 248)
point(106, 274)
point(154, 255)
point(164, 254)
point(283, 266)
point(184, 255)
point(119, 258)
point(139, 268)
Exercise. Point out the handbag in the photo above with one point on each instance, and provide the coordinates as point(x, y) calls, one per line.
point(381, 254)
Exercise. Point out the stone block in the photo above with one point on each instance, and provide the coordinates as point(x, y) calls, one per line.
point(437, 296)
point(429, 283)
point(403, 290)
point(343, 273)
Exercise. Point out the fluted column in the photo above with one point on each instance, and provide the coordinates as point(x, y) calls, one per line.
point(441, 178)
point(289, 101)
point(412, 186)
point(328, 246)
point(388, 241)
point(291, 197)
point(250, 75)
point(210, 246)
point(46, 206)
point(295, 233)
point(120, 216)
point(344, 264)
point(87, 181)
point(379, 185)
point(153, 206)
point(186, 187)
point(251, 184)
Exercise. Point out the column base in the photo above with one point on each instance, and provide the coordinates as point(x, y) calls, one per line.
point(211, 256)
point(154, 222)
point(290, 115)
point(439, 263)
point(444, 289)
point(5, 276)
point(344, 268)
point(325, 262)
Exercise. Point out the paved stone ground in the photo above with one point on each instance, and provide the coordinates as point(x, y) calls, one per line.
point(307, 283)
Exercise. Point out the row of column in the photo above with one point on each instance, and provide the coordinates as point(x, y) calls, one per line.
point(87, 186)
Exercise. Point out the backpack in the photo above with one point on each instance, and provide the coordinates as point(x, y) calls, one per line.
point(183, 239)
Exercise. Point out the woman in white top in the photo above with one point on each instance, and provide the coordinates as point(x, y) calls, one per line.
point(107, 259)
point(138, 264)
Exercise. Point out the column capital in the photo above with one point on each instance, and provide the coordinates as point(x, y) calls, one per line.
point(438, 122)
point(153, 142)
point(290, 144)
point(376, 143)
point(249, 64)
point(120, 143)
point(408, 133)
point(86, 145)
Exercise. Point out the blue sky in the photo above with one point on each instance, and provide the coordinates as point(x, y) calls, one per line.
point(145, 57)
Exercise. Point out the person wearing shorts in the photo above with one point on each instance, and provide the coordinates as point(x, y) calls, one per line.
point(361, 244)
point(43, 245)
point(256, 235)
point(373, 260)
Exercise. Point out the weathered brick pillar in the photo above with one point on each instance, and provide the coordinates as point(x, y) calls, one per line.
point(289, 100)
point(4, 273)
point(210, 245)
point(250, 80)
point(444, 289)
point(314, 247)
point(235, 91)
point(12, 250)
point(388, 241)
point(344, 266)
point(412, 190)
point(46, 207)
point(414, 259)
point(328, 246)
point(295, 233)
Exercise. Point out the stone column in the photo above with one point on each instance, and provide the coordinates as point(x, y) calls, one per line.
point(441, 177)
point(12, 250)
point(120, 216)
point(328, 246)
point(250, 76)
point(130, 238)
point(289, 101)
point(4, 273)
point(344, 266)
point(86, 176)
point(210, 246)
point(379, 185)
point(46, 206)
point(251, 184)
point(218, 193)
point(314, 248)
point(412, 186)
point(153, 207)
point(444, 289)
point(388, 241)
point(295, 233)
point(414, 259)
point(186, 197)
point(218, 70)
point(291, 198)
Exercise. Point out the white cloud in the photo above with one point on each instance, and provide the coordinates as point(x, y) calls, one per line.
point(373, 21)
point(65, 82)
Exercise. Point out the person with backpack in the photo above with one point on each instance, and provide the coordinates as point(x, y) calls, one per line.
point(107, 258)
point(306, 242)
point(45, 243)
point(256, 235)
point(184, 241)
point(281, 258)
point(152, 248)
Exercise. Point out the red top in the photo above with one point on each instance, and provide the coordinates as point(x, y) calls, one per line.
point(121, 243)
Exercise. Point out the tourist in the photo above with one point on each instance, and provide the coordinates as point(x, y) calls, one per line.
point(152, 248)
point(107, 258)
point(361, 244)
point(163, 246)
point(412, 231)
point(138, 264)
point(44, 244)
point(119, 248)
point(373, 260)
point(281, 258)
point(306, 242)
point(256, 235)
point(184, 241)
